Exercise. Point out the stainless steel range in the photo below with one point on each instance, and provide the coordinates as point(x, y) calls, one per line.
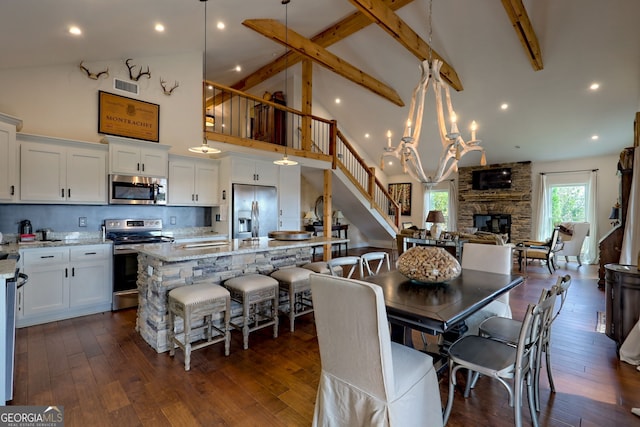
point(127, 236)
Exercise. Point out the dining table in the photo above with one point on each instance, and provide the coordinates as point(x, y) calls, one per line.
point(438, 308)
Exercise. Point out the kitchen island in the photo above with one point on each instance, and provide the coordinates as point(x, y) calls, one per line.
point(162, 267)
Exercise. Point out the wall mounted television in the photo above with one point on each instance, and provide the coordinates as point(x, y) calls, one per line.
point(488, 179)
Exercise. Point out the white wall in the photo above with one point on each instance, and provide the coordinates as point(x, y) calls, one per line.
point(61, 101)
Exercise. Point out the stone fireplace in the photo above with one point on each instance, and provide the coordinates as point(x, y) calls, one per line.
point(498, 203)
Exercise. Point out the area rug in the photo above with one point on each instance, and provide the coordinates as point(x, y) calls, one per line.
point(601, 322)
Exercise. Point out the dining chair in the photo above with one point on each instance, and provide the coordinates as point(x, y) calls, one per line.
point(366, 379)
point(354, 262)
point(506, 330)
point(512, 366)
point(369, 260)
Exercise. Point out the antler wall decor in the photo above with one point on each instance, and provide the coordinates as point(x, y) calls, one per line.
point(166, 91)
point(140, 73)
point(94, 76)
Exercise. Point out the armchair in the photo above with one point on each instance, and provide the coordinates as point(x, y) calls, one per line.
point(544, 251)
point(572, 243)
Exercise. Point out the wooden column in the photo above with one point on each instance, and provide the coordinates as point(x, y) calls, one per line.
point(307, 95)
point(326, 214)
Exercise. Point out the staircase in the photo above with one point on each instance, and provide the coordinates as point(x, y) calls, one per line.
point(355, 188)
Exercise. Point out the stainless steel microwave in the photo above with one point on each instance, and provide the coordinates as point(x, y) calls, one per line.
point(137, 190)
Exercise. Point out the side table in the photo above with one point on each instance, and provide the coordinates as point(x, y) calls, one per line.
point(335, 228)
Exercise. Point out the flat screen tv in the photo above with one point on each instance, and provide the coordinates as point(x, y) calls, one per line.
point(488, 179)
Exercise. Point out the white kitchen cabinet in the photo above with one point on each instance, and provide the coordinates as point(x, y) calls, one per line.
point(249, 171)
point(60, 171)
point(138, 158)
point(192, 182)
point(9, 176)
point(64, 282)
point(289, 217)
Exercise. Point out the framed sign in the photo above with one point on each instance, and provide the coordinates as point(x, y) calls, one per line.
point(401, 193)
point(122, 116)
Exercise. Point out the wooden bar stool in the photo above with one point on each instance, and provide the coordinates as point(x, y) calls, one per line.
point(193, 301)
point(295, 282)
point(253, 290)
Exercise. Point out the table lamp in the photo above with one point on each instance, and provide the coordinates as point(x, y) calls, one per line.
point(337, 215)
point(310, 217)
point(435, 218)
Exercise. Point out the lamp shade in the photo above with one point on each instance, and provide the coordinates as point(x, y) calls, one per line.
point(435, 217)
point(338, 215)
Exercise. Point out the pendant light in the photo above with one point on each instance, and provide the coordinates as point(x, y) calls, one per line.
point(284, 161)
point(204, 148)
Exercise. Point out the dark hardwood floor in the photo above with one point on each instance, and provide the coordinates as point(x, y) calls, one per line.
point(104, 374)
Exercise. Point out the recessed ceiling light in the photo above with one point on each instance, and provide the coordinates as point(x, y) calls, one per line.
point(594, 137)
point(220, 25)
point(238, 68)
point(504, 106)
point(366, 135)
point(75, 30)
point(210, 87)
point(159, 27)
point(594, 86)
point(338, 101)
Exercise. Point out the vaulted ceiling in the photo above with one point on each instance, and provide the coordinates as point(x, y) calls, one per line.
point(543, 70)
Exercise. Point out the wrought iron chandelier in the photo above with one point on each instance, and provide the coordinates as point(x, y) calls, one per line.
point(453, 145)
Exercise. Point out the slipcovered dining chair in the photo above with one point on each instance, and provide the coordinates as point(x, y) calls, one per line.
point(366, 379)
point(355, 262)
point(506, 330)
point(512, 366)
point(572, 235)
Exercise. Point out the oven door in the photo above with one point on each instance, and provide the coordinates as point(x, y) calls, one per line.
point(125, 277)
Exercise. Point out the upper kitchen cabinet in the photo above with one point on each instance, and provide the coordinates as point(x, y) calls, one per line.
point(250, 171)
point(192, 182)
point(140, 158)
point(9, 176)
point(60, 171)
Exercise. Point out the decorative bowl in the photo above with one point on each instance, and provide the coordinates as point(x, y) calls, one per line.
point(428, 264)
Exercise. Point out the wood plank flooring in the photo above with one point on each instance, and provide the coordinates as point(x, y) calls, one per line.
point(104, 374)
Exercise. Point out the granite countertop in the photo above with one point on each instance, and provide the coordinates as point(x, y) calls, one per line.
point(185, 252)
point(15, 247)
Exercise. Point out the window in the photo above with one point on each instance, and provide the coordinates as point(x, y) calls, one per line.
point(438, 200)
point(568, 203)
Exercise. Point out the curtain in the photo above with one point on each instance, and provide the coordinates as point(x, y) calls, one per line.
point(631, 237)
point(543, 210)
point(453, 205)
point(590, 247)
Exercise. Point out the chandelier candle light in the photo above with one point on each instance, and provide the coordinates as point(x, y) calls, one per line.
point(453, 145)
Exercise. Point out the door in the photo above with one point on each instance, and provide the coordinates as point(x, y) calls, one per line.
point(242, 199)
point(267, 198)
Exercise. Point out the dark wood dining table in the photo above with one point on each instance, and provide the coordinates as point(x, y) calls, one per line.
point(441, 307)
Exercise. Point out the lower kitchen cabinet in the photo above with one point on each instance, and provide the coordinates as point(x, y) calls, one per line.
point(64, 282)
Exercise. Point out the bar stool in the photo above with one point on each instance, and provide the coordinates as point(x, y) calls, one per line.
point(252, 290)
point(321, 267)
point(203, 300)
point(295, 282)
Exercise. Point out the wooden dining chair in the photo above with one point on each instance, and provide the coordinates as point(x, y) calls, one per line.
point(373, 261)
point(354, 262)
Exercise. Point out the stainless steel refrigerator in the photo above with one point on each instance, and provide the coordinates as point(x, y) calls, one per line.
point(255, 210)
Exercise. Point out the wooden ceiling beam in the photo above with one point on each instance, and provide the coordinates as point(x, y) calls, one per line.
point(522, 25)
point(377, 11)
point(338, 31)
point(287, 37)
